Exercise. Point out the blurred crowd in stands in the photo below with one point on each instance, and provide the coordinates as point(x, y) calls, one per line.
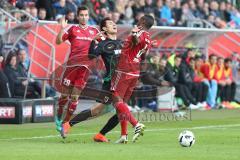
point(200, 83)
point(16, 81)
point(218, 13)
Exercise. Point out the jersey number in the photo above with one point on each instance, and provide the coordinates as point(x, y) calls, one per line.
point(66, 82)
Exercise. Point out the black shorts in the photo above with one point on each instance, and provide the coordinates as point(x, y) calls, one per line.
point(105, 95)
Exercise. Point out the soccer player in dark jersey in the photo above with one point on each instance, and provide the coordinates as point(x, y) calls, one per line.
point(109, 49)
point(77, 69)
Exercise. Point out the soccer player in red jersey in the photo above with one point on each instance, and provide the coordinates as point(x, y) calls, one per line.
point(127, 73)
point(77, 69)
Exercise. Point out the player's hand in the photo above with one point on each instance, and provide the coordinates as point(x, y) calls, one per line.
point(63, 22)
point(99, 35)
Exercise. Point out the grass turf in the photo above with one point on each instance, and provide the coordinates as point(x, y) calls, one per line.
point(217, 135)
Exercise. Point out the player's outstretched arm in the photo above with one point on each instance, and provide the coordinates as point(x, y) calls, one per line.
point(63, 24)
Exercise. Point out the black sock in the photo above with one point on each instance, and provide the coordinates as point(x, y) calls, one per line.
point(82, 116)
point(112, 123)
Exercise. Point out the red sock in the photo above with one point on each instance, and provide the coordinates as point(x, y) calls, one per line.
point(122, 117)
point(62, 101)
point(71, 108)
point(123, 107)
point(124, 127)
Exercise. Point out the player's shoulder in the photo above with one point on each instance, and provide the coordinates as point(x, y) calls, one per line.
point(73, 26)
point(144, 33)
point(93, 28)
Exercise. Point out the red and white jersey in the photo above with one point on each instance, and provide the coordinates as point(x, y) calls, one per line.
point(132, 56)
point(80, 39)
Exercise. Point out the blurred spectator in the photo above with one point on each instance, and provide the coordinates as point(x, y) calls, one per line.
point(138, 7)
point(237, 81)
point(60, 7)
point(235, 63)
point(42, 14)
point(93, 6)
point(220, 14)
point(206, 10)
point(4, 85)
point(70, 17)
point(195, 11)
point(214, 9)
point(201, 93)
point(34, 12)
point(148, 8)
point(224, 14)
point(105, 4)
point(157, 11)
point(23, 72)
point(166, 14)
point(138, 16)
point(155, 73)
point(71, 6)
point(186, 16)
point(104, 12)
point(177, 11)
point(182, 91)
point(230, 88)
point(47, 4)
point(116, 18)
point(209, 70)
point(17, 86)
point(128, 16)
point(121, 5)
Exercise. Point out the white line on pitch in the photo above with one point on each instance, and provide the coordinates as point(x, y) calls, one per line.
point(148, 130)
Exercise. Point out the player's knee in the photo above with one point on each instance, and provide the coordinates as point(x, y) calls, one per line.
point(74, 97)
point(62, 100)
point(97, 110)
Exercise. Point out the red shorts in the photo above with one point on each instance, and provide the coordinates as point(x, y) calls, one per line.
point(123, 85)
point(76, 76)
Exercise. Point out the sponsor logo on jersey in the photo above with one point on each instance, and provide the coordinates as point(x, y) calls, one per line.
point(91, 32)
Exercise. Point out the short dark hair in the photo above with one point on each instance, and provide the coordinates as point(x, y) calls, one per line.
point(70, 11)
point(212, 55)
point(226, 60)
point(9, 57)
point(82, 8)
point(103, 23)
point(149, 21)
point(178, 56)
point(220, 58)
point(198, 58)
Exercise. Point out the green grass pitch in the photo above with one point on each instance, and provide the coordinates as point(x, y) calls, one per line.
point(217, 135)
